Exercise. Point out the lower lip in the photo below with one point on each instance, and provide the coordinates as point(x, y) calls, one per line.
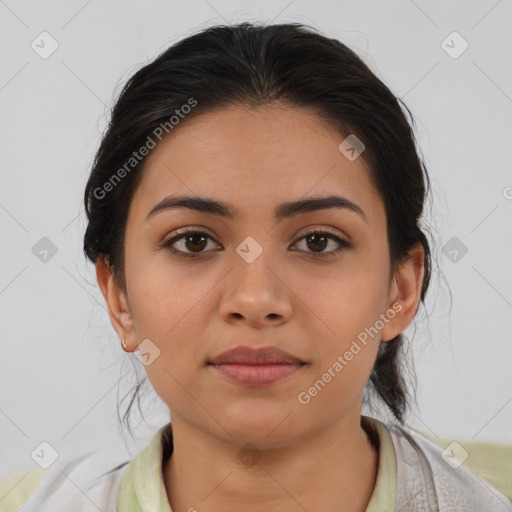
point(257, 374)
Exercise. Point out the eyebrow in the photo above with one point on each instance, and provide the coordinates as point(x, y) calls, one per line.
point(282, 211)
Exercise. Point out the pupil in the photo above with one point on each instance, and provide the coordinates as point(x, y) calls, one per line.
point(322, 245)
point(201, 243)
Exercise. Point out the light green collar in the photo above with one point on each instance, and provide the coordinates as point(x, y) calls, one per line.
point(384, 492)
point(143, 490)
point(142, 486)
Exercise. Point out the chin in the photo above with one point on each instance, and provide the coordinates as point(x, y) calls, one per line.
point(267, 426)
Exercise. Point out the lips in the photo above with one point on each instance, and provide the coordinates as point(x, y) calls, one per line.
point(264, 356)
point(256, 367)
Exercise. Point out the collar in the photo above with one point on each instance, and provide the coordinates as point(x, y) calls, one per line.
point(142, 486)
point(143, 490)
point(384, 493)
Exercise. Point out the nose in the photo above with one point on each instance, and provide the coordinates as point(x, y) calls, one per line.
point(256, 294)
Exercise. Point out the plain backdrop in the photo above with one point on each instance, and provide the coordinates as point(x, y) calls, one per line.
point(62, 369)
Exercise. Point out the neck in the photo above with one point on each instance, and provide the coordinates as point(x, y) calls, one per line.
point(335, 469)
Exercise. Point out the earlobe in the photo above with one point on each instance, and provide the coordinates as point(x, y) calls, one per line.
point(404, 294)
point(117, 305)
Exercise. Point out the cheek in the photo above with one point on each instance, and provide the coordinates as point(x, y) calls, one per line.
point(346, 304)
point(169, 310)
point(165, 297)
point(349, 307)
point(345, 359)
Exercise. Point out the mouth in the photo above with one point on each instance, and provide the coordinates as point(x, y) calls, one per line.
point(257, 374)
point(256, 367)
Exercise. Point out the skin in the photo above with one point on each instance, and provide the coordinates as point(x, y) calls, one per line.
point(315, 456)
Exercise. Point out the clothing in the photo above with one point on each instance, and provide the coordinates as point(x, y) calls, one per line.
point(412, 477)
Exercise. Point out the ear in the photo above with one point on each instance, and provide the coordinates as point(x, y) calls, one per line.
point(117, 304)
point(405, 290)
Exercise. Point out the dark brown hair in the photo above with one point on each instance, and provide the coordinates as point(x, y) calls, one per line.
point(255, 65)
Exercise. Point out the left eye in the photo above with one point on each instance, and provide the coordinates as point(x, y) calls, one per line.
point(320, 239)
point(192, 240)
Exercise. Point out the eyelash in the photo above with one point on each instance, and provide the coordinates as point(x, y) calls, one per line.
point(342, 244)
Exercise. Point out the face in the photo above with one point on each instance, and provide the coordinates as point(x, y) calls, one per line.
point(254, 279)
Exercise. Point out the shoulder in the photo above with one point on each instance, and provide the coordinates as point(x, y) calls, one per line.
point(428, 474)
point(74, 483)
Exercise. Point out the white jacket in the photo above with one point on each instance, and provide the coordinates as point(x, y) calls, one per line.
point(425, 482)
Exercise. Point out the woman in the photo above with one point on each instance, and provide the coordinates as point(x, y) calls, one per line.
point(255, 218)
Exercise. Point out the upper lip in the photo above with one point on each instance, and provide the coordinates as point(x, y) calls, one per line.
point(248, 355)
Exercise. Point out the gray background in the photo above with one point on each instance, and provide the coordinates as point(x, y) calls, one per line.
point(61, 365)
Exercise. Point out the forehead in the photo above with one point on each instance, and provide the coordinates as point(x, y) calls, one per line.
point(254, 158)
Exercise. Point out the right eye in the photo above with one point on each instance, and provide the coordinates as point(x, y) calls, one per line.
point(189, 239)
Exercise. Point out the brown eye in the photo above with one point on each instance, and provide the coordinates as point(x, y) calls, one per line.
point(317, 241)
point(190, 243)
point(195, 242)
